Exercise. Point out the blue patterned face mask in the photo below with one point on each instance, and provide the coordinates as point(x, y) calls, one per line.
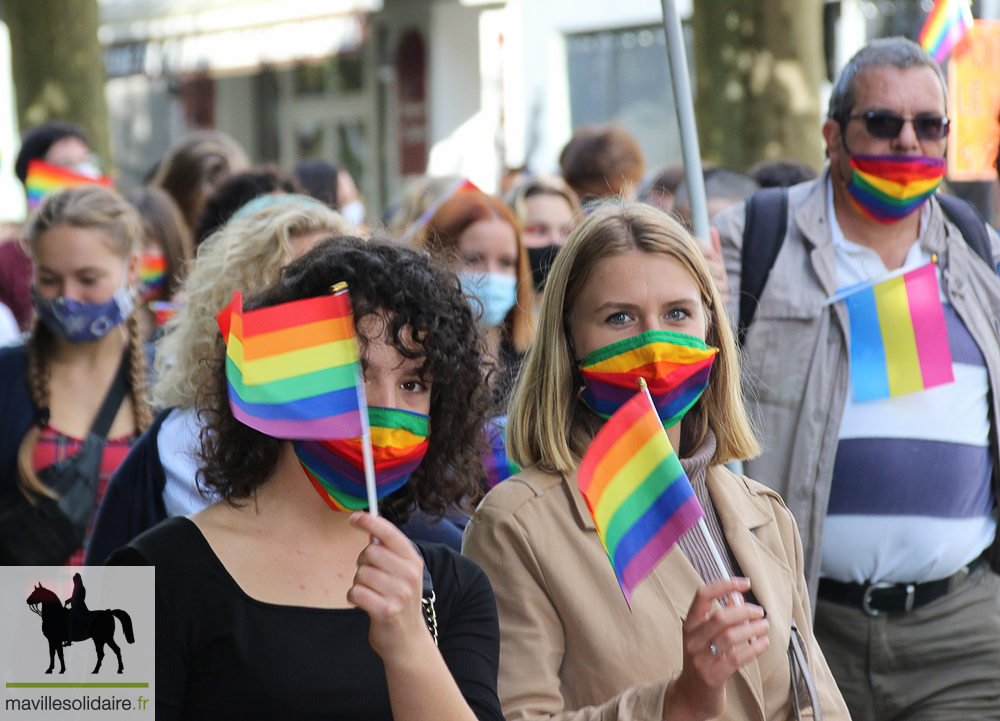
point(496, 291)
point(79, 321)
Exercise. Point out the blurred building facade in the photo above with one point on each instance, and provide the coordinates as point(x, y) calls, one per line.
point(391, 89)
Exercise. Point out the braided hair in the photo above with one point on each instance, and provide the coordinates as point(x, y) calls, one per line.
point(88, 206)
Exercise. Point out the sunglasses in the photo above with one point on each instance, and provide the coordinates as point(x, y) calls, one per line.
point(887, 125)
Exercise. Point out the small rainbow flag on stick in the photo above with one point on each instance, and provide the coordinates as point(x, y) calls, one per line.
point(293, 369)
point(899, 342)
point(641, 500)
point(44, 178)
point(946, 25)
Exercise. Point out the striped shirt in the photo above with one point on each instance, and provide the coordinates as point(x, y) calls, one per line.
point(911, 498)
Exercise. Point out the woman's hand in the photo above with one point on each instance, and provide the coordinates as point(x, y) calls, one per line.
point(388, 586)
point(717, 641)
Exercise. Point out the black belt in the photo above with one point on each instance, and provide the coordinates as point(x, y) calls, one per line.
point(884, 597)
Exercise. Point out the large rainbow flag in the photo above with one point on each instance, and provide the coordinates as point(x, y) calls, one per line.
point(44, 178)
point(611, 373)
point(899, 342)
point(641, 500)
point(293, 368)
point(399, 441)
point(945, 26)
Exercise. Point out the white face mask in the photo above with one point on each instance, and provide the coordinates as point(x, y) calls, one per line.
point(354, 212)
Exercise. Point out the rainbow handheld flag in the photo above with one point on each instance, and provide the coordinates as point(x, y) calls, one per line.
point(293, 369)
point(641, 500)
point(945, 26)
point(899, 342)
point(163, 310)
point(44, 178)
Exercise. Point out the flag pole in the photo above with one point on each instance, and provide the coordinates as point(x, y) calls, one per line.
point(684, 101)
point(366, 431)
point(702, 526)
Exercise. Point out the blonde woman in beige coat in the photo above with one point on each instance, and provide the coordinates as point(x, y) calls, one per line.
point(570, 647)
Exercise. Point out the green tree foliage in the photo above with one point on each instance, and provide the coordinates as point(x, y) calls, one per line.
point(759, 68)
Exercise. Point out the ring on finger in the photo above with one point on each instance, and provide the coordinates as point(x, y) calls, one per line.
point(714, 649)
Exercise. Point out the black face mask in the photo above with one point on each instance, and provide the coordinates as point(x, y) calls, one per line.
point(540, 260)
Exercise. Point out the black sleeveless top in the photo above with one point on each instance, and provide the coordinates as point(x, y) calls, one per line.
point(221, 654)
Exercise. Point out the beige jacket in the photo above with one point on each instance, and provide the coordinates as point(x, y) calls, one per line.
point(569, 646)
point(796, 368)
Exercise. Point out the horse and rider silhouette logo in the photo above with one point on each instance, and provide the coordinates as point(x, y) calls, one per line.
point(62, 624)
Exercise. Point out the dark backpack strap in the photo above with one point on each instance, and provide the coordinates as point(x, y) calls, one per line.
point(113, 400)
point(970, 224)
point(763, 234)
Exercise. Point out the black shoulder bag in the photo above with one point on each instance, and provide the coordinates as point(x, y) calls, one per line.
point(48, 531)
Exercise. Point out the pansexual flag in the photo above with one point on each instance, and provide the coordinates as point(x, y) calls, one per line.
point(641, 500)
point(44, 178)
point(336, 468)
point(899, 343)
point(293, 368)
point(945, 26)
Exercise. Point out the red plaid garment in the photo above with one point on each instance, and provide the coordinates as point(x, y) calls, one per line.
point(53, 446)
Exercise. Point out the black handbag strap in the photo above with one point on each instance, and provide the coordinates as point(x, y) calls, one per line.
point(113, 399)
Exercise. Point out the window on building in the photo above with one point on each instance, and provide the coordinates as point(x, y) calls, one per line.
point(621, 76)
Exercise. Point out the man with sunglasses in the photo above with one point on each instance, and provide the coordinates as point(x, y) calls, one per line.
point(895, 498)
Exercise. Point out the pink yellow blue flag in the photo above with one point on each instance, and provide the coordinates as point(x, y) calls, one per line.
point(44, 178)
point(946, 25)
point(293, 369)
point(899, 342)
point(641, 499)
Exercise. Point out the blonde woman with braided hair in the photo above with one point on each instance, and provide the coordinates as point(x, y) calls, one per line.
point(159, 477)
point(84, 244)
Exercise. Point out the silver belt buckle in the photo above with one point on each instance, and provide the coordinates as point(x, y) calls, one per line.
point(866, 599)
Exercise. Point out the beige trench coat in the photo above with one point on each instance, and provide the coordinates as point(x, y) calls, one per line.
point(569, 646)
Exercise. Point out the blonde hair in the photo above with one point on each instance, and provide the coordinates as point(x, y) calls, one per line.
point(546, 423)
point(246, 254)
point(552, 185)
point(100, 208)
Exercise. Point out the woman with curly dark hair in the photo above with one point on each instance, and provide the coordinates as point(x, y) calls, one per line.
point(270, 604)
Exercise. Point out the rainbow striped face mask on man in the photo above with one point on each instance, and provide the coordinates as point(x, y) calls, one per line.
point(887, 188)
point(336, 468)
point(675, 367)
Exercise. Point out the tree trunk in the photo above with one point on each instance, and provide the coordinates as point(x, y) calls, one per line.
point(759, 64)
point(58, 66)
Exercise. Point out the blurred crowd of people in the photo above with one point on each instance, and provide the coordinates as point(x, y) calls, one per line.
point(478, 316)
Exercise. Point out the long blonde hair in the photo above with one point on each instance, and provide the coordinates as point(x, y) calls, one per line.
point(246, 254)
point(546, 423)
point(100, 208)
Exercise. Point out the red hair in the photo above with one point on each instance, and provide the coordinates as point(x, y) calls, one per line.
point(441, 238)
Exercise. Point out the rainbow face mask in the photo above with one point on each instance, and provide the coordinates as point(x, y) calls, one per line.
point(675, 367)
point(887, 188)
point(152, 276)
point(336, 468)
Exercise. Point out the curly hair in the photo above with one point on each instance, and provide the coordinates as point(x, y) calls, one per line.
point(247, 254)
point(427, 318)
